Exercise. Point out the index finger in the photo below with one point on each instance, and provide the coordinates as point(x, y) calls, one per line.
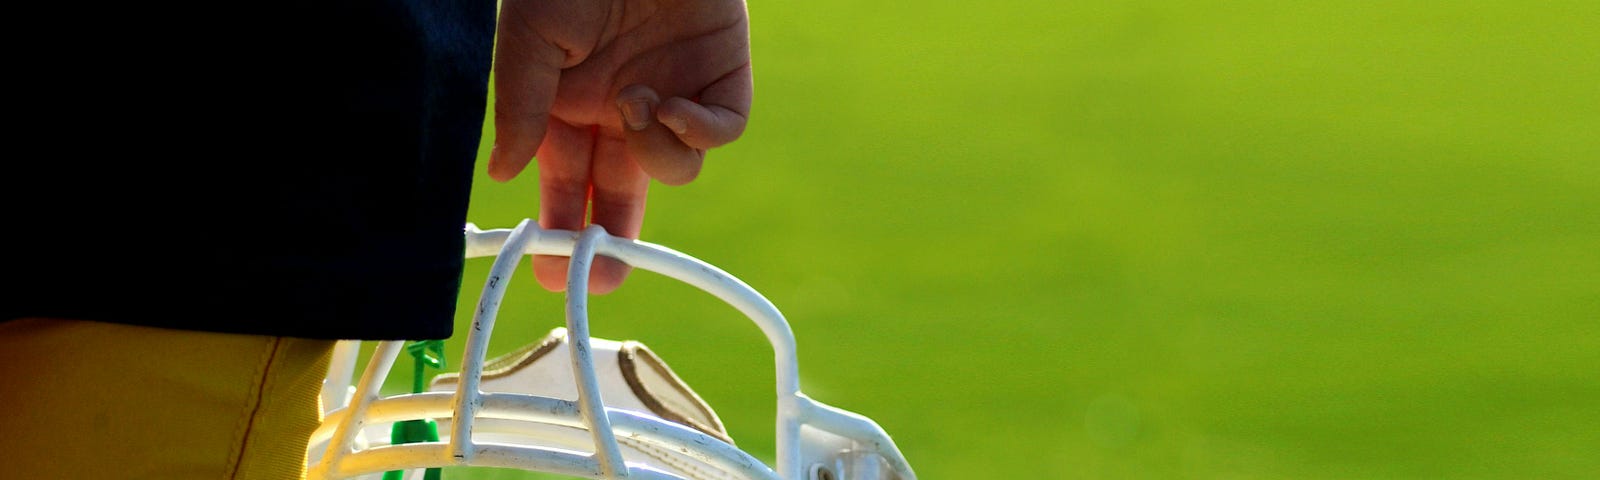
point(527, 72)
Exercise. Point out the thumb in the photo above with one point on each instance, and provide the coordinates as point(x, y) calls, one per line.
point(652, 145)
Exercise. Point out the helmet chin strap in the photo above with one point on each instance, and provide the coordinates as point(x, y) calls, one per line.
point(425, 354)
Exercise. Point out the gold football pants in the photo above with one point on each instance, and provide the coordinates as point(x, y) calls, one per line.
point(98, 401)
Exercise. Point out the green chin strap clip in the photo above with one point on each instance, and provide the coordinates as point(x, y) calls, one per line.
point(424, 354)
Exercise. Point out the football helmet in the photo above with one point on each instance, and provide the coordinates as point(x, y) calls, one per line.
point(580, 406)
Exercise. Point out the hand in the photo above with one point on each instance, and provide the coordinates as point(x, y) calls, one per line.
point(610, 95)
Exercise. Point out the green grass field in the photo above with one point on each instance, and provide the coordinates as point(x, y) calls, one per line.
point(1086, 240)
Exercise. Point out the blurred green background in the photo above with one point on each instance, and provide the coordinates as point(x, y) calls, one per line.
point(1064, 239)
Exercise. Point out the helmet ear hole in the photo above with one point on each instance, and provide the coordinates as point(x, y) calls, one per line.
point(822, 472)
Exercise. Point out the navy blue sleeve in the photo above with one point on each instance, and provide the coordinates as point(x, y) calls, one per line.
point(280, 168)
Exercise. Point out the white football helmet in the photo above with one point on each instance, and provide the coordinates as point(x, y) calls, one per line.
point(585, 407)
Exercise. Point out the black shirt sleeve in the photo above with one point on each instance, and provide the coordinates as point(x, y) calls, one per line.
point(282, 168)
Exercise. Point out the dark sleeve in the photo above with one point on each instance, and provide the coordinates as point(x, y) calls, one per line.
point(283, 168)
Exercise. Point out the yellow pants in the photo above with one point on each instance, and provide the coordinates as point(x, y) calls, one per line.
point(104, 401)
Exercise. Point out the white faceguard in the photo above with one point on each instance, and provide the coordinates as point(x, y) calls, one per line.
point(585, 407)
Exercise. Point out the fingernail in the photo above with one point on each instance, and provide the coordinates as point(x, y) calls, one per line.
point(676, 123)
point(636, 113)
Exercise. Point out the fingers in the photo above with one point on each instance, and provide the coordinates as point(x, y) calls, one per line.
point(657, 149)
point(669, 138)
point(577, 170)
point(618, 200)
point(718, 119)
point(527, 70)
point(564, 178)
